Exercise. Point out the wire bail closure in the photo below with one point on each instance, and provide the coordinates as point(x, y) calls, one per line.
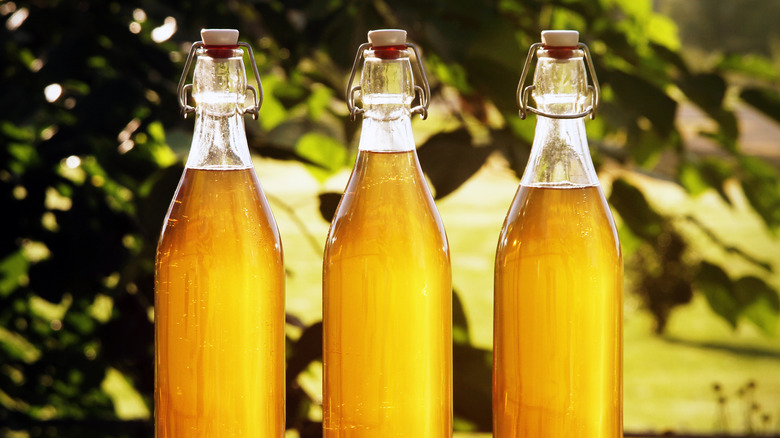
point(183, 90)
point(523, 94)
point(423, 92)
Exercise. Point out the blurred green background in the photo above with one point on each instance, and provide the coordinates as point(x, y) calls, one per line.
point(686, 144)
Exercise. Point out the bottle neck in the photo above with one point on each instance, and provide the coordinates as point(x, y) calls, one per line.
point(560, 155)
point(219, 90)
point(387, 91)
point(379, 135)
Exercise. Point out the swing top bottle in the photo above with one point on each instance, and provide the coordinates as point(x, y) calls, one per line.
point(557, 369)
point(386, 277)
point(219, 279)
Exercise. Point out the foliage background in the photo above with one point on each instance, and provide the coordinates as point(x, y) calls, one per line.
point(92, 148)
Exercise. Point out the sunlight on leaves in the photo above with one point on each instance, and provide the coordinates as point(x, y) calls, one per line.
point(326, 155)
point(101, 308)
point(128, 403)
point(16, 346)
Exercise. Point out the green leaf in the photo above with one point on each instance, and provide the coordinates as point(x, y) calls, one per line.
point(156, 132)
point(319, 100)
point(329, 202)
point(13, 269)
point(691, 179)
point(754, 65)
point(717, 287)
point(305, 350)
point(15, 346)
point(766, 101)
point(708, 90)
point(629, 242)
point(715, 171)
point(284, 138)
point(700, 175)
point(119, 198)
point(759, 303)
point(19, 133)
point(645, 147)
point(449, 160)
point(460, 323)
point(663, 31)
point(157, 193)
point(643, 99)
point(23, 153)
point(471, 385)
point(635, 211)
point(128, 403)
point(290, 92)
point(761, 185)
point(48, 310)
point(490, 58)
point(162, 153)
point(670, 57)
point(563, 19)
point(635, 8)
point(273, 112)
point(326, 154)
point(450, 74)
point(80, 322)
point(514, 142)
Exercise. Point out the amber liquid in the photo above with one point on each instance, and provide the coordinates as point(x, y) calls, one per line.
point(558, 317)
point(387, 306)
point(219, 311)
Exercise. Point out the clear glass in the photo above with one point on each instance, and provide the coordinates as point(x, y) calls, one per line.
point(219, 280)
point(219, 91)
point(559, 155)
point(386, 281)
point(557, 364)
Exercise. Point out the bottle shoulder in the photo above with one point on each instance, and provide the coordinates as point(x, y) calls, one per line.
point(219, 141)
point(560, 154)
point(386, 199)
point(387, 184)
point(214, 203)
point(557, 216)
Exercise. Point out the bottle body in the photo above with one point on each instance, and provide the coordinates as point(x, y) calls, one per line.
point(387, 294)
point(558, 317)
point(219, 311)
point(557, 359)
point(219, 279)
point(387, 306)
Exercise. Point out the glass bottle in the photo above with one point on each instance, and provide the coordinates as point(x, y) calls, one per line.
point(386, 277)
point(219, 279)
point(557, 369)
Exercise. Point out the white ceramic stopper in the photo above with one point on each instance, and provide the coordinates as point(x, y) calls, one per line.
point(560, 38)
point(219, 37)
point(387, 37)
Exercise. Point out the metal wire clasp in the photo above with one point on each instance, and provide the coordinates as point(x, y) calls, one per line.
point(423, 92)
point(182, 90)
point(523, 94)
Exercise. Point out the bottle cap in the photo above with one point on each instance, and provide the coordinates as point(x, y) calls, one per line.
point(387, 37)
point(560, 38)
point(219, 37)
